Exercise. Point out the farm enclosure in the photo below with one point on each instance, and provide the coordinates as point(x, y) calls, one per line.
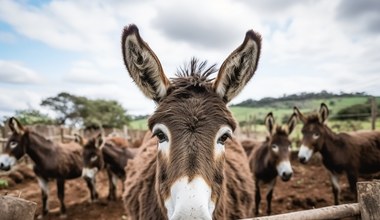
point(309, 188)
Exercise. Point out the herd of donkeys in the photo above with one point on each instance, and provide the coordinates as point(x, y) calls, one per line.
point(190, 164)
point(352, 153)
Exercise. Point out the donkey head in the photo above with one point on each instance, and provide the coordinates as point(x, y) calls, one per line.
point(280, 145)
point(191, 121)
point(313, 131)
point(92, 156)
point(15, 146)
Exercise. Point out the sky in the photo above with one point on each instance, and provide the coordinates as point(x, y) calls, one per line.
point(47, 47)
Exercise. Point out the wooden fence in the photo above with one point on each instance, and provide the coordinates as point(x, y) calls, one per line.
point(66, 134)
point(367, 208)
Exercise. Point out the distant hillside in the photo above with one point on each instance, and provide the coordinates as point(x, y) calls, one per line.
point(254, 111)
point(295, 99)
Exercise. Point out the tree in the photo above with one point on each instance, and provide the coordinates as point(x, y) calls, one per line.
point(64, 104)
point(89, 113)
point(33, 116)
point(108, 113)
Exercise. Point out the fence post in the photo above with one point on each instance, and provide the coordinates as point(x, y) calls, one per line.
point(62, 134)
point(369, 199)
point(373, 113)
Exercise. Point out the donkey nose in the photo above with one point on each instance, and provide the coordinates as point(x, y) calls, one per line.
point(302, 159)
point(286, 176)
point(1, 165)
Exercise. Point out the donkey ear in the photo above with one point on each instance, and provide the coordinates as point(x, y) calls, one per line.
point(323, 113)
point(299, 114)
point(239, 67)
point(99, 141)
point(269, 123)
point(143, 65)
point(292, 123)
point(78, 139)
point(15, 126)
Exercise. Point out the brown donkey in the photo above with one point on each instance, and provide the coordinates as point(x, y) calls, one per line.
point(99, 152)
point(195, 168)
point(353, 153)
point(272, 158)
point(51, 161)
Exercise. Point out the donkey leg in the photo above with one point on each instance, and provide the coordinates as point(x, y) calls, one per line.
point(61, 196)
point(257, 197)
point(352, 179)
point(269, 196)
point(123, 181)
point(43, 183)
point(111, 185)
point(92, 187)
point(335, 187)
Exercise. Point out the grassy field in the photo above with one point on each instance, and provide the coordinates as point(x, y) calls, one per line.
point(282, 111)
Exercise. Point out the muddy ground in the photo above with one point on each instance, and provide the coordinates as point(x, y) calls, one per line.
point(309, 188)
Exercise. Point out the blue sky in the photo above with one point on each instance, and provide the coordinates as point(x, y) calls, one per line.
point(47, 47)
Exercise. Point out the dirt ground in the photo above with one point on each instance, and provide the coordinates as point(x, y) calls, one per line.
point(309, 188)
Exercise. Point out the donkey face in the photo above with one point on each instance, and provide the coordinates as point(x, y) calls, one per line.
point(280, 145)
point(14, 148)
point(92, 157)
point(313, 132)
point(191, 122)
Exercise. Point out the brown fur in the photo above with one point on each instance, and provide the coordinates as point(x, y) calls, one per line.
point(119, 141)
point(193, 124)
point(51, 160)
point(110, 155)
point(351, 153)
point(249, 145)
point(140, 199)
point(264, 160)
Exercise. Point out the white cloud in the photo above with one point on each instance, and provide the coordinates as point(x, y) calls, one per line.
point(86, 72)
point(19, 99)
point(307, 45)
point(13, 72)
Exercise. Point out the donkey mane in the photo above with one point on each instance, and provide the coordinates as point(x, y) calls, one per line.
point(280, 130)
point(196, 69)
point(39, 137)
point(193, 76)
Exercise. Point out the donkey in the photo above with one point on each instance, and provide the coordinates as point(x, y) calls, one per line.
point(194, 167)
point(272, 158)
point(99, 152)
point(51, 161)
point(353, 153)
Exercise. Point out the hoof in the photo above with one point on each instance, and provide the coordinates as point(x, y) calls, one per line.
point(40, 216)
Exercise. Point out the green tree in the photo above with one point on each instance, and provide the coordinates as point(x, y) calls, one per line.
point(33, 116)
point(64, 104)
point(87, 112)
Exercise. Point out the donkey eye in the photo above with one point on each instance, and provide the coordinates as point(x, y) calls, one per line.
point(223, 138)
point(316, 135)
point(275, 148)
point(161, 136)
point(93, 158)
point(13, 144)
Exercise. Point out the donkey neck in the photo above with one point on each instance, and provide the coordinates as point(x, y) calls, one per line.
point(332, 141)
point(38, 147)
point(114, 155)
point(334, 150)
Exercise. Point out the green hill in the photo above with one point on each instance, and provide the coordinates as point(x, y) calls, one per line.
point(252, 113)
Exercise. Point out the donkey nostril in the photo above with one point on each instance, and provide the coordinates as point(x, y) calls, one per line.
point(1, 165)
point(286, 176)
point(302, 159)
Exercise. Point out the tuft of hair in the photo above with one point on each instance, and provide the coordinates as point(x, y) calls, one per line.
point(195, 68)
point(282, 130)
